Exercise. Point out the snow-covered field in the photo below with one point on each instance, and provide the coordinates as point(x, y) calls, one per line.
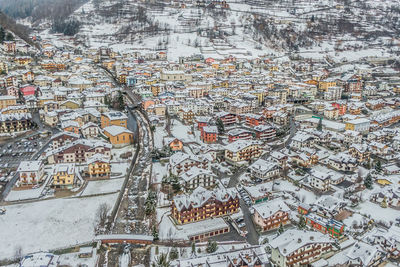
point(102, 187)
point(49, 224)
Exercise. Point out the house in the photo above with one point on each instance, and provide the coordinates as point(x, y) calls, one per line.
point(352, 137)
point(320, 180)
point(99, 167)
point(181, 162)
point(331, 227)
point(265, 132)
point(226, 118)
point(116, 118)
point(70, 126)
point(90, 130)
point(186, 115)
point(118, 136)
point(388, 240)
point(360, 125)
point(196, 177)
point(203, 204)
point(299, 248)
point(342, 162)
point(202, 121)
point(30, 173)
point(63, 175)
point(175, 144)
point(271, 214)
point(258, 194)
point(302, 139)
point(242, 151)
point(254, 120)
point(78, 151)
point(239, 134)
point(63, 138)
point(6, 101)
point(360, 152)
point(209, 134)
point(363, 254)
point(306, 158)
point(265, 170)
point(254, 256)
point(16, 122)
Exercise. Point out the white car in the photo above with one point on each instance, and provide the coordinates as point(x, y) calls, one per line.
point(242, 224)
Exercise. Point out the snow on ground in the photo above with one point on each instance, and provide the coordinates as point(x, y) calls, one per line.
point(15, 195)
point(117, 152)
point(181, 131)
point(284, 185)
point(159, 170)
point(371, 209)
point(103, 187)
point(72, 259)
point(120, 168)
point(49, 224)
point(159, 135)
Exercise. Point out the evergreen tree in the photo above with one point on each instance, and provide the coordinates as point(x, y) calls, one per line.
point(368, 181)
point(281, 229)
point(155, 233)
point(302, 222)
point(211, 246)
point(319, 126)
point(161, 261)
point(2, 35)
point(193, 248)
point(378, 166)
point(121, 101)
point(173, 254)
point(9, 37)
point(220, 126)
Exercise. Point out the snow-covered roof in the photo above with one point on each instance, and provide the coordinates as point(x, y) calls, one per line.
point(291, 240)
point(269, 208)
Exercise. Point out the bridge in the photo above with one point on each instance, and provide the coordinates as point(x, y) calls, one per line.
point(124, 239)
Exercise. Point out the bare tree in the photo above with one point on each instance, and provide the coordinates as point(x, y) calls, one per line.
point(102, 213)
point(18, 253)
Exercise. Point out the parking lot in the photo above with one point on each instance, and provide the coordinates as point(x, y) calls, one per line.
point(15, 151)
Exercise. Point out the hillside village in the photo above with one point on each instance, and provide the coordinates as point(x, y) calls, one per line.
point(215, 155)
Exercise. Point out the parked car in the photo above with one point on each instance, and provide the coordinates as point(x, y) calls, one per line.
point(2, 211)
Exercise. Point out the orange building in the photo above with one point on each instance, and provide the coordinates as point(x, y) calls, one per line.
point(119, 136)
point(253, 119)
point(116, 118)
point(203, 204)
point(209, 134)
point(175, 145)
point(341, 107)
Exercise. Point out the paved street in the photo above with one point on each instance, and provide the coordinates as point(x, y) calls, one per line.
point(252, 236)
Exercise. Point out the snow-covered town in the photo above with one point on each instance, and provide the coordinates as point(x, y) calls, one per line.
point(199, 133)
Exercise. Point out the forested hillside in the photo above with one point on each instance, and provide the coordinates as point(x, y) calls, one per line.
point(39, 9)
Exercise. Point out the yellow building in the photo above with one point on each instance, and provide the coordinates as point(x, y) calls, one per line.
point(99, 167)
point(116, 118)
point(64, 175)
point(6, 101)
point(69, 104)
point(325, 85)
point(118, 136)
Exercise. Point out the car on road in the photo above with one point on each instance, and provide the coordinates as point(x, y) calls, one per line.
point(242, 224)
point(251, 209)
point(239, 220)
